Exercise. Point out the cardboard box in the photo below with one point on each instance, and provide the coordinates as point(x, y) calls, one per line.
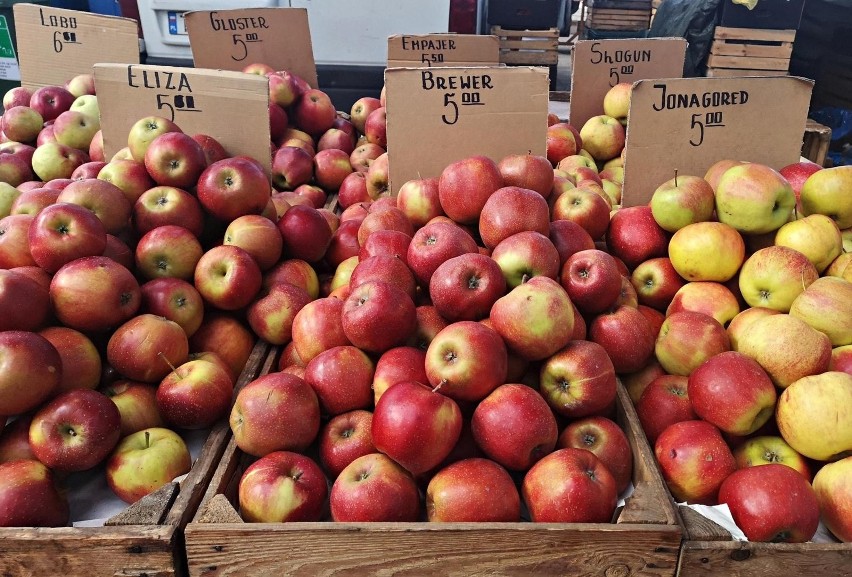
point(436, 116)
point(54, 45)
point(601, 64)
point(232, 39)
point(232, 107)
point(407, 50)
point(688, 124)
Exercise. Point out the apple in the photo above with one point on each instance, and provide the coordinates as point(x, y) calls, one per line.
point(30, 371)
point(296, 272)
point(627, 337)
point(378, 316)
point(765, 450)
point(258, 236)
point(707, 251)
point(711, 298)
point(663, 402)
point(143, 348)
point(656, 282)
point(276, 412)
point(694, 461)
point(168, 252)
point(841, 359)
point(472, 490)
point(76, 129)
point(29, 496)
point(63, 232)
point(195, 395)
point(339, 139)
point(22, 124)
point(603, 137)
point(753, 198)
point(526, 255)
point(466, 286)
point(786, 347)
point(415, 426)
point(527, 171)
point(833, 493)
point(592, 281)
point(578, 380)
point(816, 236)
point(374, 488)
point(607, 441)
point(826, 192)
point(17, 96)
point(774, 276)
point(353, 189)
point(637, 381)
point(434, 244)
point(570, 486)
point(24, 301)
point(51, 101)
point(96, 147)
point(282, 487)
point(144, 131)
point(306, 233)
point(88, 170)
point(826, 305)
point(386, 269)
point(375, 127)
point(291, 167)
point(271, 316)
point(81, 361)
point(33, 201)
point(363, 156)
point(8, 195)
point(343, 439)
point(175, 300)
point(569, 238)
point(283, 88)
point(51, 160)
point(393, 243)
point(233, 187)
point(771, 504)
point(137, 405)
point(510, 210)
point(128, 175)
point(167, 205)
point(634, 236)
point(227, 277)
point(313, 112)
point(144, 461)
point(616, 102)
point(104, 199)
point(813, 418)
point(585, 207)
point(687, 339)
point(318, 326)
point(341, 377)
point(563, 140)
point(397, 365)
point(465, 186)
point(361, 110)
point(75, 431)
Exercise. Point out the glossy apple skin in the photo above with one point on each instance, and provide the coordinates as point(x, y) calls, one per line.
point(195, 395)
point(578, 380)
point(465, 185)
point(232, 188)
point(30, 371)
point(766, 449)
point(772, 503)
point(473, 490)
point(142, 348)
point(63, 232)
point(345, 438)
point(29, 497)
point(634, 236)
point(146, 460)
point(664, 401)
point(81, 361)
point(465, 287)
point(378, 316)
point(374, 488)
point(341, 378)
point(627, 337)
point(228, 277)
point(687, 339)
point(833, 487)
point(753, 198)
point(592, 281)
point(281, 487)
point(25, 303)
point(607, 441)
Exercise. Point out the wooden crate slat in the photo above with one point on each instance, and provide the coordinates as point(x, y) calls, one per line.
point(621, 4)
point(605, 12)
point(721, 48)
point(728, 72)
point(745, 559)
point(620, 20)
point(529, 58)
point(723, 33)
point(498, 31)
point(529, 44)
point(747, 62)
point(610, 26)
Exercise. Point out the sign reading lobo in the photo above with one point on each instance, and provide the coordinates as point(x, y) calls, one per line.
point(436, 116)
point(688, 124)
point(233, 39)
point(54, 45)
point(232, 107)
point(601, 64)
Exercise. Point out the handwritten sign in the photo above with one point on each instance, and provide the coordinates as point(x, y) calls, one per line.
point(232, 107)
point(690, 123)
point(436, 116)
point(54, 45)
point(601, 64)
point(442, 50)
point(232, 39)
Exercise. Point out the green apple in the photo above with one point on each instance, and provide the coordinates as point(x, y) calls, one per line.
point(754, 198)
point(815, 236)
point(144, 131)
point(603, 137)
point(612, 190)
point(145, 461)
point(774, 276)
point(8, 195)
point(770, 449)
point(833, 487)
point(707, 251)
point(814, 418)
point(826, 305)
point(829, 192)
point(54, 160)
point(88, 105)
point(75, 129)
point(616, 102)
point(681, 201)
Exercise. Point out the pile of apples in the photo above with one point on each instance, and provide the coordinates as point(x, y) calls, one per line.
point(448, 358)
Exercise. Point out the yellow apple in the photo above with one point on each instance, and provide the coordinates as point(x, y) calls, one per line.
point(815, 236)
point(711, 298)
point(706, 251)
point(774, 276)
point(841, 267)
point(826, 305)
point(616, 102)
point(754, 198)
point(743, 320)
point(829, 192)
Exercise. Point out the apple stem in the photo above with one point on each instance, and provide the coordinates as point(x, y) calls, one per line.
point(675, 178)
point(147, 439)
point(525, 278)
point(171, 366)
point(439, 385)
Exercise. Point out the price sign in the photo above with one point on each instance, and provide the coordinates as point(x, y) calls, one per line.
point(232, 107)
point(690, 123)
point(232, 39)
point(443, 50)
point(436, 116)
point(54, 45)
point(601, 64)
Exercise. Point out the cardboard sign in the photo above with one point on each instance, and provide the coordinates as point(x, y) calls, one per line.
point(601, 64)
point(442, 50)
point(54, 45)
point(436, 116)
point(232, 39)
point(689, 124)
point(232, 107)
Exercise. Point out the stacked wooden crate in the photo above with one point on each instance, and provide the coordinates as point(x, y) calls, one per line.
point(750, 52)
point(528, 47)
point(619, 14)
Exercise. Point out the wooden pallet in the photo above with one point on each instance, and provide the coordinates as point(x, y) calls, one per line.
point(750, 52)
point(145, 539)
point(816, 141)
point(528, 47)
point(619, 19)
point(622, 4)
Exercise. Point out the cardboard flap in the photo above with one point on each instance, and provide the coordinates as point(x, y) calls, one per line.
point(54, 45)
point(442, 50)
point(601, 64)
point(436, 116)
point(688, 124)
point(233, 39)
point(232, 107)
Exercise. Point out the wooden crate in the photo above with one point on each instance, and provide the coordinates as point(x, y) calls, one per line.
point(816, 141)
point(144, 540)
point(750, 52)
point(710, 552)
point(643, 541)
point(619, 19)
point(528, 47)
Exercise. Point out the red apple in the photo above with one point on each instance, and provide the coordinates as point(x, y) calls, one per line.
point(167, 205)
point(313, 112)
point(137, 405)
point(318, 326)
point(29, 496)
point(634, 236)
point(14, 244)
point(527, 171)
point(128, 175)
point(375, 127)
point(146, 130)
point(227, 337)
point(607, 441)
point(584, 206)
point(687, 339)
point(384, 268)
point(227, 277)
point(306, 233)
point(345, 438)
point(361, 110)
point(175, 300)
point(466, 286)
point(664, 401)
point(510, 210)
point(378, 316)
point(291, 167)
point(30, 371)
point(195, 395)
point(25, 303)
point(419, 200)
point(143, 348)
point(563, 140)
point(592, 281)
point(212, 148)
point(434, 244)
point(51, 101)
point(525, 255)
point(168, 251)
point(472, 490)
point(465, 186)
point(102, 198)
point(397, 365)
point(656, 282)
point(81, 361)
point(578, 380)
point(569, 238)
point(341, 377)
point(282, 487)
point(374, 488)
point(627, 337)
point(233, 187)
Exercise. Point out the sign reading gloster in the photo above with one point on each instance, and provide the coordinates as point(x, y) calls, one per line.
point(232, 107)
point(688, 124)
point(601, 64)
point(233, 39)
point(436, 116)
point(54, 45)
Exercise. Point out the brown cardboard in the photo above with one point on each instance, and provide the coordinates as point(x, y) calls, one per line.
point(436, 116)
point(54, 45)
point(601, 64)
point(232, 39)
point(230, 106)
point(763, 121)
point(407, 50)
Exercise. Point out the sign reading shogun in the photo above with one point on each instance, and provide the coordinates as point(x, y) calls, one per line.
point(457, 112)
point(233, 39)
point(443, 50)
point(709, 119)
point(232, 107)
point(601, 64)
point(54, 45)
